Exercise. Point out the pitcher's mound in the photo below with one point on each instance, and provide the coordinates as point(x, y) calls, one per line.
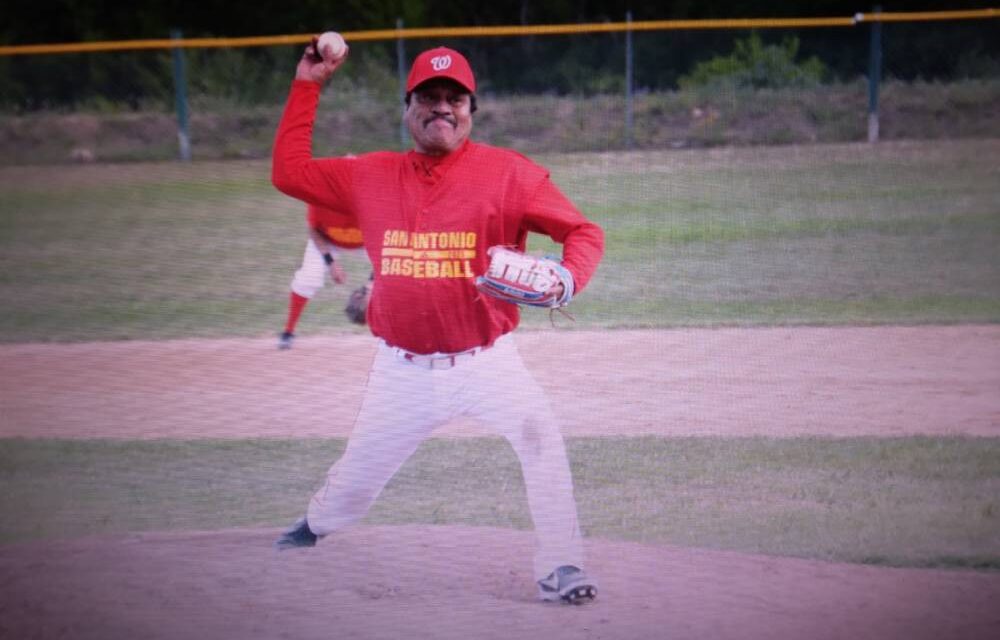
point(461, 582)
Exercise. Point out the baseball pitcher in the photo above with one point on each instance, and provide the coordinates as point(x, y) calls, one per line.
point(445, 226)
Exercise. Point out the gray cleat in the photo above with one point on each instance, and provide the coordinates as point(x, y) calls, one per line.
point(567, 584)
point(298, 535)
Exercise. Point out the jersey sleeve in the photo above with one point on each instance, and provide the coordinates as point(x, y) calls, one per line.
point(550, 212)
point(294, 172)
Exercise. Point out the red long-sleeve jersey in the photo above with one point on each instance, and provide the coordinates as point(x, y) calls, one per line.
point(427, 222)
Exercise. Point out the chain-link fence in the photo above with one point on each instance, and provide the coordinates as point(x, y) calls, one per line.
point(631, 85)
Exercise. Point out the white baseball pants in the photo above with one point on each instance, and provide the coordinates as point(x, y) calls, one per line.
point(404, 403)
point(311, 276)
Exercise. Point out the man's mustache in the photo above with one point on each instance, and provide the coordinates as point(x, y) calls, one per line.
point(447, 119)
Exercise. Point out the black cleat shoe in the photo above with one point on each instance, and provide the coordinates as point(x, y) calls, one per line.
point(285, 340)
point(567, 584)
point(298, 535)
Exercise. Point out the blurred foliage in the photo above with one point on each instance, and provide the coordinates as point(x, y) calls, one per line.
point(361, 112)
point(584, 64)
point(754, 65)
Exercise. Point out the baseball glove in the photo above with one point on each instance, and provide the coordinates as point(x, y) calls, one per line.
point(525, 279)
point(357, 304)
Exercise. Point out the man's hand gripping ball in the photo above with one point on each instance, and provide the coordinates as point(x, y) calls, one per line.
point(322, 57)
point(524, 279)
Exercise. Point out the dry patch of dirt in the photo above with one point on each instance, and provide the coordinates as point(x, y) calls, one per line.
point(462, 582)
point(881, 381)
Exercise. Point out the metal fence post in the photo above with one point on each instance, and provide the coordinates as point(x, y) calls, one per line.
point(180, 99)
point(629, 100)
point(401, 71)
point(874, 75)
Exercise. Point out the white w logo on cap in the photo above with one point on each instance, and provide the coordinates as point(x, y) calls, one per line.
point(440, 63)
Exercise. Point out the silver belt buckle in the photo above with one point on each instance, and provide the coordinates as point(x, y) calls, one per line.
point(446, 362)
point(439, 362)
point(429, 362)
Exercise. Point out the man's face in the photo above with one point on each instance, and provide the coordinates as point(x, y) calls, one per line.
point(439, 116)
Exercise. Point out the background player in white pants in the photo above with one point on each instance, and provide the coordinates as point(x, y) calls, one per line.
point(330, 233)
point(428, 217)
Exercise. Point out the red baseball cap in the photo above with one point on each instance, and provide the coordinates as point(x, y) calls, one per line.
point(441, 62)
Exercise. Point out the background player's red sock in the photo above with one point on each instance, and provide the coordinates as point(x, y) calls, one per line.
point(296, 304)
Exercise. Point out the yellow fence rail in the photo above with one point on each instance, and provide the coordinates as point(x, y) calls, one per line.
point(497, 31)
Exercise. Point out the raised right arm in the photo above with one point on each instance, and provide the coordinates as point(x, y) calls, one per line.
point(294, 171)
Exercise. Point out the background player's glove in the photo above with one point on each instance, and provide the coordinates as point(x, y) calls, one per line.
point(357, 304)
point(524, 279)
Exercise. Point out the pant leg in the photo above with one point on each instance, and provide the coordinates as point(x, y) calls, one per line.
point(396, 416)
point(505, 396)
point(311, 275)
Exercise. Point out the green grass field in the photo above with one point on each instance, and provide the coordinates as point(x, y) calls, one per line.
point(895, 233)
point(916, 502)
point(902, 233)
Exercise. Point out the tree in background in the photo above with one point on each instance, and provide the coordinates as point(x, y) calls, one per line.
point(550, 64)
point(754, 65)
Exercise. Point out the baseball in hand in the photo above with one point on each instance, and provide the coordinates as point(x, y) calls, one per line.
point(331, 46)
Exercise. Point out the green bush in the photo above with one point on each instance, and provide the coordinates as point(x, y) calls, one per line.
point(754, 65)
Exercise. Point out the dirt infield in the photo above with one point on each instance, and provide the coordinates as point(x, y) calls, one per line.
point(459, 582)
point(880, 381)
point(463, 583)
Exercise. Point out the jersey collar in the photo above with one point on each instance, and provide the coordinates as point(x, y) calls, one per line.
point(434, 167)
